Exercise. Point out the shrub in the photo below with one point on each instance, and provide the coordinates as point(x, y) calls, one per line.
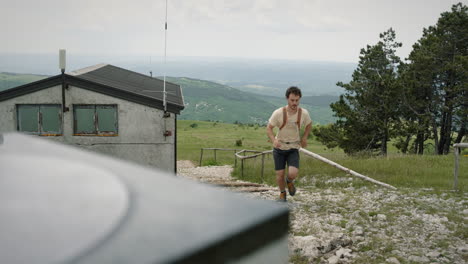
point(211, 162)
point(239, 142)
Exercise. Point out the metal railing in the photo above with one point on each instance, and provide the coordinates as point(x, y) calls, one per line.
point(214, 150)
point(238, 155)
point(243, 157)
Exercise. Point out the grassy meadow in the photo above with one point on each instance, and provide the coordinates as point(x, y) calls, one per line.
point(402, 171)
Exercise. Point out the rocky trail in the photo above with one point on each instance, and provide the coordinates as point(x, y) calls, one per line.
point(361, 225)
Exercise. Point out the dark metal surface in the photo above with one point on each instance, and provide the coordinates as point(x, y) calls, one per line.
point(53, 209)
point(113, 81)
point(64, 205)
point(122, 79)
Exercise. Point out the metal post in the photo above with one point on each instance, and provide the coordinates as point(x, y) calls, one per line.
point(235, 159)
point(263, 165)
point(215, 154)
point(242, 168)
point(455, 173)
point(201, 156)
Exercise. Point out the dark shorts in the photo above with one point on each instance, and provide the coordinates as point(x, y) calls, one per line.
point(281, 157)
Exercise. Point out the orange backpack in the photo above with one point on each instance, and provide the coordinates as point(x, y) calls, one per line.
point(285, 117)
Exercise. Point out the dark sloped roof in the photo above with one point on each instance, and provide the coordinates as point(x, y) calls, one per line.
point(113, 81)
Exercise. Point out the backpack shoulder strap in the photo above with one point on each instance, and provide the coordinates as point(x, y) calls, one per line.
point(285, 118)
point(299, 114)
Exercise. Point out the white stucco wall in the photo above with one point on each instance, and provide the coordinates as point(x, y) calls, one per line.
point(140, 128)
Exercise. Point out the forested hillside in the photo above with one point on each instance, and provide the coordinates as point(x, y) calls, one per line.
point(206, 100)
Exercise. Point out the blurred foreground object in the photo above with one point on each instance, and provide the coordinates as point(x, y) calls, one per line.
point(60, 204)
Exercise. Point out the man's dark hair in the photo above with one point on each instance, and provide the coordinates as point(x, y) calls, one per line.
point(293, 90)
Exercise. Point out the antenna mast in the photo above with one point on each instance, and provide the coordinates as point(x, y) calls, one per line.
point(165, 47)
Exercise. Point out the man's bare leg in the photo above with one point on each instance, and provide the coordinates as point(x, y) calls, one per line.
point(292, 173)
point(281, 185)
point(280, 180)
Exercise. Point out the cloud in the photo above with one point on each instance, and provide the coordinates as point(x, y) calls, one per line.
point(294, 16)
point(308, 29)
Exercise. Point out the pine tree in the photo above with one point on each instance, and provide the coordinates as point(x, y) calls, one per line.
point(368, 110)
point(436, 81)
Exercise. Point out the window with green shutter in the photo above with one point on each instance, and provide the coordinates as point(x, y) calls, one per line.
point(95, 120)
point(40, 119)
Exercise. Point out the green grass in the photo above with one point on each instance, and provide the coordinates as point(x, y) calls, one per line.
point(216, 135)
point(407, 171)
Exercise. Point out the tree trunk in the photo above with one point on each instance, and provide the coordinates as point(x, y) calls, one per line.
point(420, 143)
point(462, 131)
point(443, 131)
point(448, 133)
point(416, 143)
point(436, 136)
point(383, 147)
point(404, 149)
point(449, 102)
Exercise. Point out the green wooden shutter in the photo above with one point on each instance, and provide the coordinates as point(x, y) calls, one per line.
point(28, 118)
point(107, 118)
point(51, 119)
point(84, 119)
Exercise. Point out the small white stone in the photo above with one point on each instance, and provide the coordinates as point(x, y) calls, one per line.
point(381, 217)
point(358, 238)
point(418, 259)
point(333, 260)
point(393, 260)
point(462, 249)
point(433, 254)
point(361, 244)
point(308, 244)
point(343, 253)
point(358, 231)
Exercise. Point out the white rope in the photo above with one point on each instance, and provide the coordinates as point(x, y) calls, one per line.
point(338, 166)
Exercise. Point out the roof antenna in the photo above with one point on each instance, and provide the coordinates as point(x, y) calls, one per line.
point(62, 60)
point(164, 85)
point(151, 66)
point(62, 64)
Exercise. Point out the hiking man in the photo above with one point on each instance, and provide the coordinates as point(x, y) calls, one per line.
point(286, 144)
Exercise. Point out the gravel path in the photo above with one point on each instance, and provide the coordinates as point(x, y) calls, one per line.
point(361, 225)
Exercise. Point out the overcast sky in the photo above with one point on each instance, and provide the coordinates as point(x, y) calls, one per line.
point(323, 30)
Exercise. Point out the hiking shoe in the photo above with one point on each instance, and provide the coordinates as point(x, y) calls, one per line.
point(282, 197)
point(291, 188)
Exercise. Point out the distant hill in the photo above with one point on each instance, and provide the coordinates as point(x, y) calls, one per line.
point(261, 76)
point(207, 100)
point(9, 80)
